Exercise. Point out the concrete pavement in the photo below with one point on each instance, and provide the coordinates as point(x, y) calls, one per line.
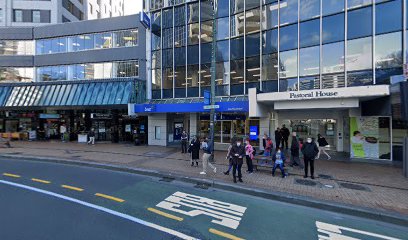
point(375, 186)
point(175, 206)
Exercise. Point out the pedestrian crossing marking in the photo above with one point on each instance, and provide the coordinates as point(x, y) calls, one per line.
point(11, 175)
point(225, 214)
point(165, 214)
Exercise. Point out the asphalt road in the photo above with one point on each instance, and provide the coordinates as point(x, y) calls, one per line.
point(56, 201)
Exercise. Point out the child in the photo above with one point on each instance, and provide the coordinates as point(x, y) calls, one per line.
point(279, 159)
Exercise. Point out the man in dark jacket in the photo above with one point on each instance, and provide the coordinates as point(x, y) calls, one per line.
point(278, 137)
point(285, 136)
point(294, 152)
point(310, 152)
point(238, 154)
point(184, 140)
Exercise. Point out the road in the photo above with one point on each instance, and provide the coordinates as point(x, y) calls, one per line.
point(55, 201)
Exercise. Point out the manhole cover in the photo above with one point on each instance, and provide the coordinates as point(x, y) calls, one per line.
point(202, 185)
point(354, 186)
point(306, 182)
point(167, 179)
point(323, 176)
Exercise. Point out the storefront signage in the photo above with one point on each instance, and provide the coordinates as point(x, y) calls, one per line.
point(253, 133)
point(100, 116)
point(238, 106)
point(145, 20)
point(49, 116)
point(313, 94)
point(364, 137)
point(149, 108)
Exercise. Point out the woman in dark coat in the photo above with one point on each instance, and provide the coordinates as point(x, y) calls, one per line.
point(294, 152)
point(195, 151)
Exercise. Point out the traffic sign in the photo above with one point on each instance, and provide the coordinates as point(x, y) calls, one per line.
point(211, 107)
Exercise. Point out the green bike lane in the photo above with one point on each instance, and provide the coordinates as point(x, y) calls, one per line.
point(200, 213)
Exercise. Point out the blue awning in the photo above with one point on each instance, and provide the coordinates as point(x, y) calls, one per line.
point(74, 93)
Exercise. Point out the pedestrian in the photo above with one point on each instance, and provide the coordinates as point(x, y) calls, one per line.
point(249, 154)
point(285, 137)
point(238, 153)
point(322, 146)
point(278, 137)
point(91, 136)
point(195, 150)
point(229, 156)
point(265, 136)
point(63, 130)
point(184, 140)
point(207, 148)
point(294, 152)
point(268, 147)
point(310, 152)
point(279, 160)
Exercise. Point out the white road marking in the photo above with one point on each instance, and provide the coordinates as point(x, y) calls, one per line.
point(225, 214)
point(115, 213)
point(334, 232)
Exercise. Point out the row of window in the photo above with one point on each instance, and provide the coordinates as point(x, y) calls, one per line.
point(31, 16)
point(15, 47)
point(74, 10)
point(126, 38)
point(298, 69)
point(89, 71)
point(15, 74)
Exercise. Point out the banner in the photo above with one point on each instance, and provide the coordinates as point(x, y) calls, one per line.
point(364, 137)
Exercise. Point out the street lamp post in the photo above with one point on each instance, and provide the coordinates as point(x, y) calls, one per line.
point(213, 71)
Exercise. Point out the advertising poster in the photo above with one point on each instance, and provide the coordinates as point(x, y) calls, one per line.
point(364, 137)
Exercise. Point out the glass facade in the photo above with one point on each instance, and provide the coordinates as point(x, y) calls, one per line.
point(16, 74)
point(125, 38)
point(16, 47)
point(89, 71)
point(286, 45)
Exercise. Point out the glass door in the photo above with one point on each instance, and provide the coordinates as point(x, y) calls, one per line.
point(226, 131)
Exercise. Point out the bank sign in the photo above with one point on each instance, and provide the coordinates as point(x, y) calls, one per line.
point(313, 94)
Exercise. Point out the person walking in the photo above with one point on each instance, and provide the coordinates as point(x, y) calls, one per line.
point(237, 153)
point(322, 146)
point(207, 148)
point(249, 154)
point(184, 140)
point(278, 137)
point(309, 151)
point(91, 136)
point(285, 137)
point(229, 156)
point(279, 160)
point(195, 150)
point(294, 152)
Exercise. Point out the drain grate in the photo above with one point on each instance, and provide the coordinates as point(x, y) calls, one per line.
point(202, 185)
point(305, 182)
point(167, 179)
point(323, 176)
point(354, 186)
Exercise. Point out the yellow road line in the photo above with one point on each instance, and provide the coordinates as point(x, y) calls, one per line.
point(11, 175)
point(109, 197)
point(223, 234)
point(40, 180)
point(72, 188)
point(165, 214)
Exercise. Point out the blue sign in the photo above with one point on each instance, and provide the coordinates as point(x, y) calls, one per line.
point(207, 97)
point(239, 106)
point(49, 116)
point(145, 20)
point(253, 133)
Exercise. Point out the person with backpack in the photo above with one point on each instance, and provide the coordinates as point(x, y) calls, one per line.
point(322, 146)
point(294, 152)
point(279, 160)
point(310, 152)
point(249, 154)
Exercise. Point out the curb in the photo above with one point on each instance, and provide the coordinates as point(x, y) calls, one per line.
point(363, 212)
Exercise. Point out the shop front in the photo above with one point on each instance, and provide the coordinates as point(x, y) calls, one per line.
point(353, 120)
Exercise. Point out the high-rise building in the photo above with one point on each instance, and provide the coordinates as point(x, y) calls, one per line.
point(319, 67)
point(24, 13)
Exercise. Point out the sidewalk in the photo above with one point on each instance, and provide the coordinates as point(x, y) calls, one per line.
point(369, 185)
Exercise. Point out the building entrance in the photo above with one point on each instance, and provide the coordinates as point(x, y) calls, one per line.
point(312, 127)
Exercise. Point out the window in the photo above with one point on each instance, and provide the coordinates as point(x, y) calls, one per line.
point(333, 58)
point(237, 6)
point(252, 45)
point(222, 28)
point(18, 15)
point(237, 25)
point(388, 17)
point(289, 13)
point(309, 9)
point(388, 56)
point(332, 6)
point(359, 54)
point(12, 74)
point(15, 47)
point(357, 3)
point(126, 69)
point(270, 41)
point(126, 38)
point(270, 16)
point(237, 48)
point(222, 8)
point(333, 28)
point(289, 37)
point(359, 23)
point(288, 64)
point(310, 33)
point(157, 133)
point(309, 61)
point(36, 16)
point(253, 19)
point(103, 40)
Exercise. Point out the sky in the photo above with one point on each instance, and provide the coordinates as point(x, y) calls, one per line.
point(133, 6)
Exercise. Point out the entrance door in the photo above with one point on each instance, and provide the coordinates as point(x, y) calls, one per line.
point(102, 130)
point(312, 127)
